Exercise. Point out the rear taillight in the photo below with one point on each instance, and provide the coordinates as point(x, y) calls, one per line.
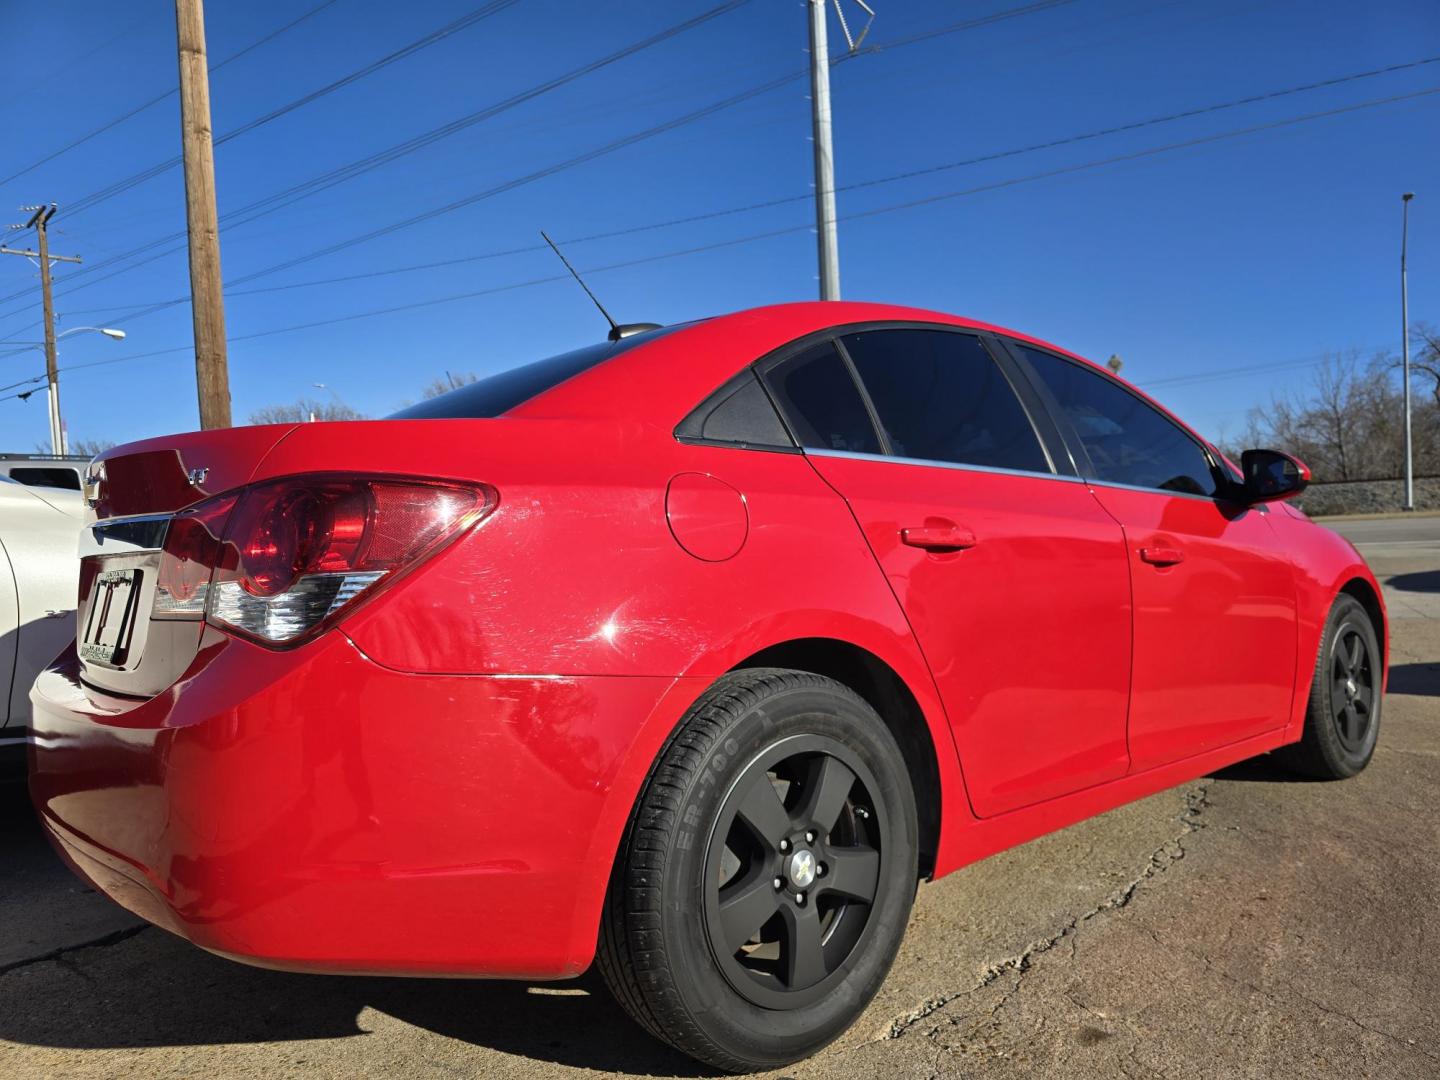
point(192, 549)
point(277, 560)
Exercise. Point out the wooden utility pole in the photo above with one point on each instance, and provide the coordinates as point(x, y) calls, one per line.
point(39, 222)
point(207, 303)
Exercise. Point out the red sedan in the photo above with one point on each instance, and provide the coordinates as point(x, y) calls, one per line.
point(689, 652)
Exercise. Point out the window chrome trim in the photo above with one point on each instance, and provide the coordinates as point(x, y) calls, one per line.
point(124, 536)
point(895, 459)
point(1167, 493)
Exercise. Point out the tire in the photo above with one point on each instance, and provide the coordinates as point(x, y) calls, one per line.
point(781, 800)
point(1342, 721)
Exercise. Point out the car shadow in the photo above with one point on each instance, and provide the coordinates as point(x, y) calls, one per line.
point(1265, 769)
point(1421, 679)
point(1424, 581)
point(135, 990)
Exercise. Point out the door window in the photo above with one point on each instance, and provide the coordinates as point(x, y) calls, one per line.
point(941, 397)
point(819, 398)
point(1129, 441)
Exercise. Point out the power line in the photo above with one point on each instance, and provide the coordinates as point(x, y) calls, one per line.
point(142, 310)
point(510, 185)
point(137, 110)
point(954, 28)
point(1234, 372)
point(997, 185)
point(289, 196)
point(331, 178)
point(435, 36)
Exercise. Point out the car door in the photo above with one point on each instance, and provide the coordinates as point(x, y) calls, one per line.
point(1012, 577)
point(38, 528)
point(9, 614)
point(1214, 593)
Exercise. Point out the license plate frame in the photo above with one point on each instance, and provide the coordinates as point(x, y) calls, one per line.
point(110, 620)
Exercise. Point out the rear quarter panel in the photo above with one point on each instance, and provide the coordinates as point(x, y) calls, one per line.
point(577, 573)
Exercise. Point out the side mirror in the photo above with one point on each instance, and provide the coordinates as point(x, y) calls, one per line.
point(1271, 475)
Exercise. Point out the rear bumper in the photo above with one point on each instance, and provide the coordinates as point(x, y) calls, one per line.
point(312, 810)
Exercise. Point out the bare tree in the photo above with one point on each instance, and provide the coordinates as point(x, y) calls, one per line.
point(90, 447)
point(304, 410)
point(1425, 355)
point(452, 381)
point(1347, 424)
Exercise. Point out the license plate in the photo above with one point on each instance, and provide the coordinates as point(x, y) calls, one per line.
point(111, 621)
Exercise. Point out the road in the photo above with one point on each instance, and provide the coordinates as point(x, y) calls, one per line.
point(1245, 925)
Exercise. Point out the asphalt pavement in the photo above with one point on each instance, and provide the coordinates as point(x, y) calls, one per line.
point(1247, 924)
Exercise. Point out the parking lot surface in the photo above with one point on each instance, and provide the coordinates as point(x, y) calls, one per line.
point(1246, 924)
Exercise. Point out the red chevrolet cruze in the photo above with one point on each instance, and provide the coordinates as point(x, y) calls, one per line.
point(690, 653)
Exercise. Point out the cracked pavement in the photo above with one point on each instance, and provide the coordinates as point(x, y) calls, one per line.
point(1247, 924)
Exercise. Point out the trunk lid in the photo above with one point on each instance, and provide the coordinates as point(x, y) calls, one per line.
point(160, 476)
point(133, 491)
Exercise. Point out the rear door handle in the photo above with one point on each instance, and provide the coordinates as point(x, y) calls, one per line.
point(938, 536)
point(1162, 556)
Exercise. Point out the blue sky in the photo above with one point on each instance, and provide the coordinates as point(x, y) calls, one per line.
point(1258, 253)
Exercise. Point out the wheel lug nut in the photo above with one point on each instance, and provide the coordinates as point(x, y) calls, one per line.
point(784, 845)
point(800, 898)
point(820, 870)
point(809, 838)
point(779, 883)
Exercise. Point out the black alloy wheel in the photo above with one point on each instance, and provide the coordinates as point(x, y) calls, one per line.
point(794, 864)
point(1352, 694)
point(766, 875)
point(1342, 720)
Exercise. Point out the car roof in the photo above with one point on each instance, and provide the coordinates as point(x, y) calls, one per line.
point(662, 381)
point(680, 369)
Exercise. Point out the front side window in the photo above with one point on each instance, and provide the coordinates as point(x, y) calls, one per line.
point(817, 395)
point(1129, 442)
point(941, 397)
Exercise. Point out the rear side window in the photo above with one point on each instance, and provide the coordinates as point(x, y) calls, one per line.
point(503, 391)
point(38, 476)
point(940, 396)
point(1129, 442)
point(739, 412)
point(817, 395)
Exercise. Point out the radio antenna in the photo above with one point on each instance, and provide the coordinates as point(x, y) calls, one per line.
point(617, 330)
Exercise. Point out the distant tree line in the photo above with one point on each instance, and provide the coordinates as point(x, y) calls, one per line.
point(85, 447)
point(1347, 422)
point(306, 409)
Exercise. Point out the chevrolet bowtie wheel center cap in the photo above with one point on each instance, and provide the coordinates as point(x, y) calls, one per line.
point(802, 869)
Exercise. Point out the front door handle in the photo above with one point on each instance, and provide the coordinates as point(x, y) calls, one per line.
point(1162, 556)
point(938, 535)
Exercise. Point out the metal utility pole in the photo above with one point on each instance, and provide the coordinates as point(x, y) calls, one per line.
point(826, 236)
point(1405, 350)
point(39, 221)
point(207, 304)
point(825, 233)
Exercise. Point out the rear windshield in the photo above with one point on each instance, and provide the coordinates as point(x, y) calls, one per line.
point(503, 391)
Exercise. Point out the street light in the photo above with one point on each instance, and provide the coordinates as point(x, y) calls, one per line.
point(108, 331)
point(57, 429)
point(1405, 349)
